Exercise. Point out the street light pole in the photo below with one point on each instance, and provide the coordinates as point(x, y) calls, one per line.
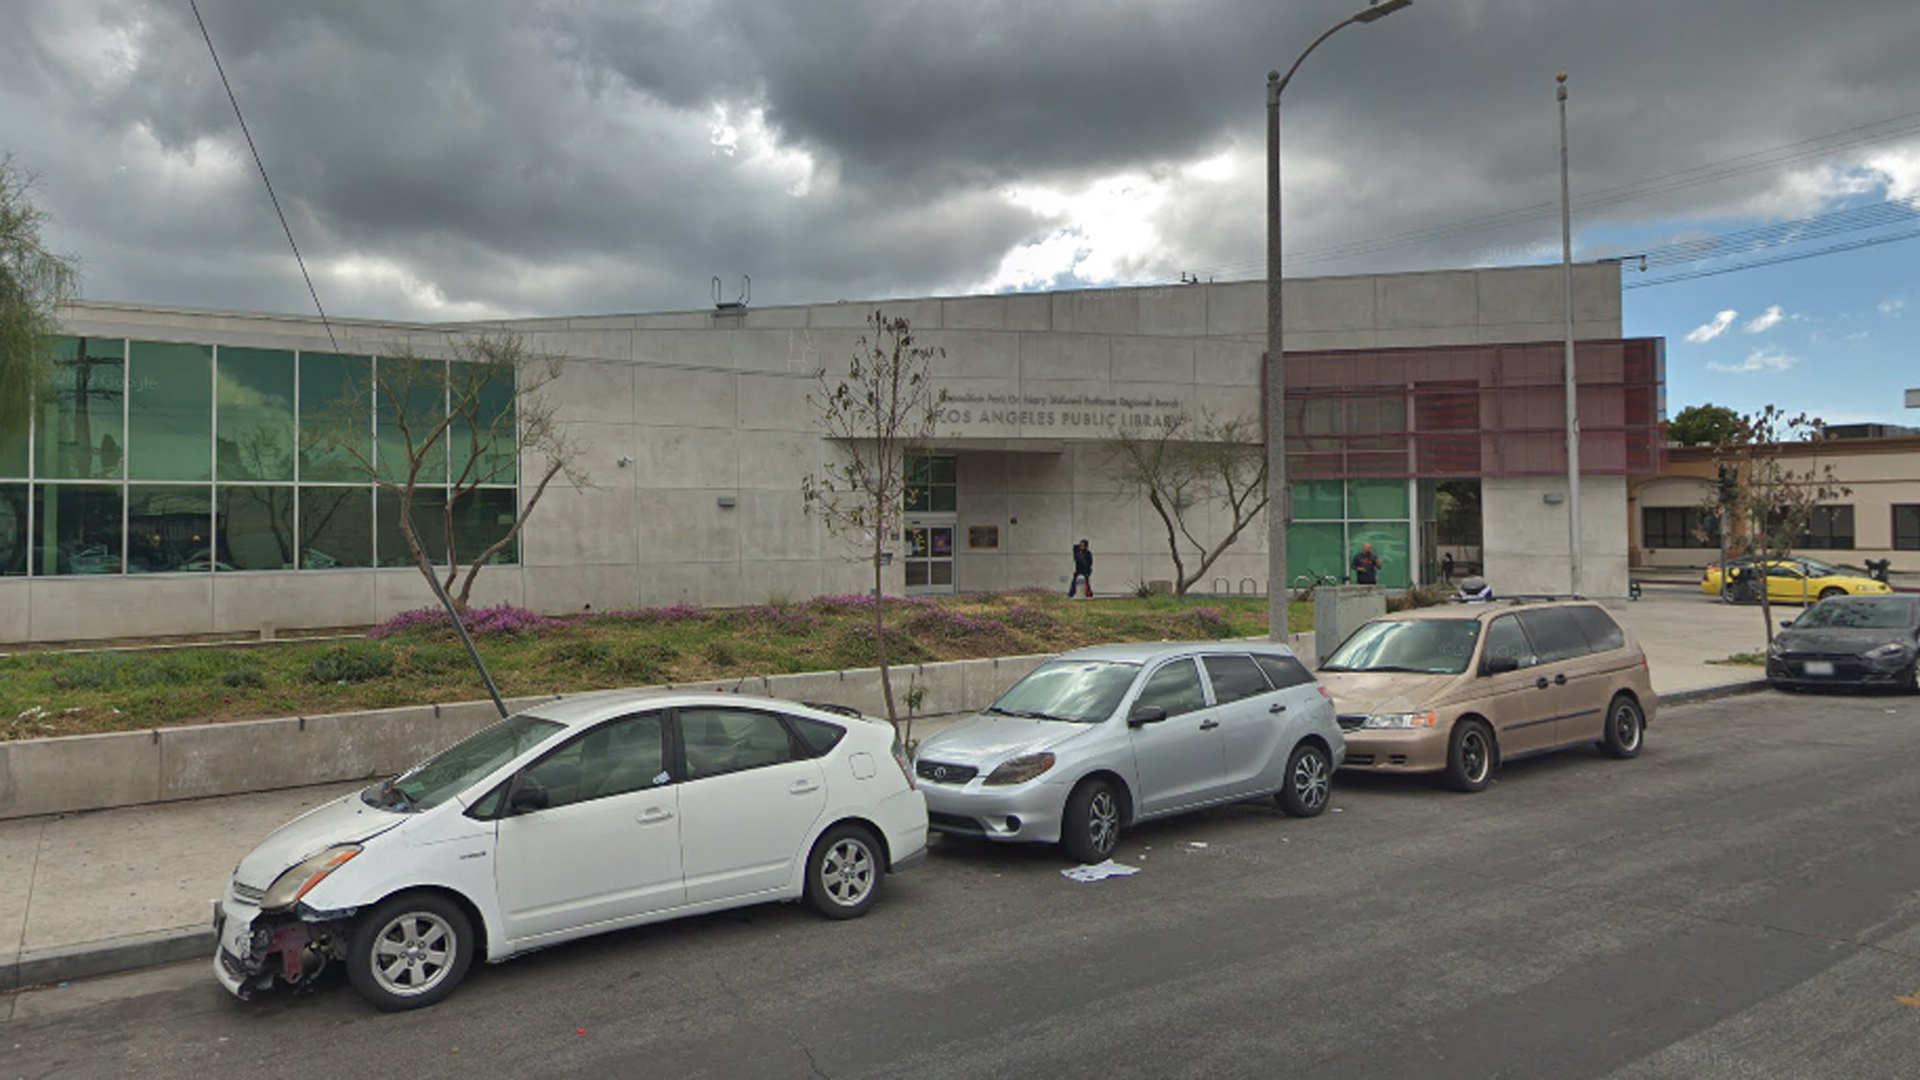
point(1279, 508)
point(1573, 394)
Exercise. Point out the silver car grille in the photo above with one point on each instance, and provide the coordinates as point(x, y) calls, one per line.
point(247, 894)
point(940, 772)
point(1352, 721)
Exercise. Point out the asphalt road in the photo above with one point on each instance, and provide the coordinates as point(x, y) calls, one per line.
point(1742, 901)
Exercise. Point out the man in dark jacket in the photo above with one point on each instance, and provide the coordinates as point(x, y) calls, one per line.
point(1082, 569)
point(1366, 566)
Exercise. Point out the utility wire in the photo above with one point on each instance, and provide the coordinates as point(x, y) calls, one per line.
point(1836, 249)
point(261, 165)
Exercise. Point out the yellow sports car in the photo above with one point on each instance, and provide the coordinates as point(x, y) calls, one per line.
point(1796, 579)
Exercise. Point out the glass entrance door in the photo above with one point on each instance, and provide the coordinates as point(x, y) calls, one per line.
point(929, 554)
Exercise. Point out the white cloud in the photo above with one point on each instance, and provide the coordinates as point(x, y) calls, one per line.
point(1765, 321)
point(1892, 306)
point(1769, 358)
point(1707, 331)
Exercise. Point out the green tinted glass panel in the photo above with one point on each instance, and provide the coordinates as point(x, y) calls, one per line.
point(336, 414)
point(1315, 550)
point(80, 428)
point(254, 397)
point(483, 446)
point(413, 400)
point(942, 469)
point(480, 519)
point(169, 528)
point(1390, 543)
point(14, 539)
point(1378, 499)
point(336, 527)
point(78, 527)
point(169, 411)
point(1318, 500)
point(255, 527)
point(13, 455)
point(429, 527)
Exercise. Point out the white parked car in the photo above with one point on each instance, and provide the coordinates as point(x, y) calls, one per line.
point(588, 814)
point(1097, 739)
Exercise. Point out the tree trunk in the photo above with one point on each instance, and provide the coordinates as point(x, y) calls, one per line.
point(880, 631)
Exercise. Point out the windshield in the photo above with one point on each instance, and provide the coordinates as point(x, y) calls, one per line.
point(1425, 646)
point(1860, 613)
point(1816, 568)
point(1078, 691)
point(460, 766)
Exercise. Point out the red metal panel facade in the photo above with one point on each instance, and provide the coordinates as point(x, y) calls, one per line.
point(1464, 411)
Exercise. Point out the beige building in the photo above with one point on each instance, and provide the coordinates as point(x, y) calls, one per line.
point(1877, 518)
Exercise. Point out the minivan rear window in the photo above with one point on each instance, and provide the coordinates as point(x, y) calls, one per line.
point(1283, 671)
point(1602, 632)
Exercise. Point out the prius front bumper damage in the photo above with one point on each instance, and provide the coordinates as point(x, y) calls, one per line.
point(255, 949)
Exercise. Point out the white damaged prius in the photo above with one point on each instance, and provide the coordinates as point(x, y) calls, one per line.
point(588, 814)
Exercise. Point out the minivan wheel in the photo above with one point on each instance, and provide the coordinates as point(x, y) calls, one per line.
point(844, 872)
point(1470, 756)
point(1309, 782)
point(410, 951)
point(1626, 728)
point(1090, 828)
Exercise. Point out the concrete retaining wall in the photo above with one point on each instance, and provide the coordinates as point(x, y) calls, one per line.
point(94, 772)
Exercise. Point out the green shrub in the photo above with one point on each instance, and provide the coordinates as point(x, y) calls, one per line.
point(357, 662)
point(1201, 622)
point(643, 663)
point(97, 672)
point(719, 654)
point(242, 679)
point(580, 652)
point(853, 647)
point(163, 673)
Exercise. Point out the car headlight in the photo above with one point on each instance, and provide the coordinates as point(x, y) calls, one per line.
point(1401, 720)
point(1021, 769)
point(1775, 648)
point(289, 887)
point(1892, 650)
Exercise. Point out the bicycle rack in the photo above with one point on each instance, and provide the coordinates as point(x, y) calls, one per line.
point(1249, 587)
point(1220, 586)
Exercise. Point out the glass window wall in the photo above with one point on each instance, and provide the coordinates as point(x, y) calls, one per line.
point(428, 526)
point(15, 540)
point(169, 528)
point(336, 527)
point(254, 399)
point(255, 527)
point(81, 426)
point(336, 416)
point(169, 411)
point(77, 528)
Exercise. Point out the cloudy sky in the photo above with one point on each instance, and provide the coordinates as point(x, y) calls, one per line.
point(444, 159)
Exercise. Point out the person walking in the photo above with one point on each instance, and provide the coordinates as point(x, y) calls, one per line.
point(1446, 568)
point(1082, 569)
point(1366, 566)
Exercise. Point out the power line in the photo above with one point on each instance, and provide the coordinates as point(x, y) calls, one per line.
point(1836, 249)
point(262, 166)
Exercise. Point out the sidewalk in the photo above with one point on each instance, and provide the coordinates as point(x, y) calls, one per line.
point(87, 894)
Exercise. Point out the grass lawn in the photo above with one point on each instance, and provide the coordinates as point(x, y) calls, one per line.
point(416, 659)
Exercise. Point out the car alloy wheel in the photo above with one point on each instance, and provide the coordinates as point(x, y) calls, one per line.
point(1309, 782)
point(411, 952)
point(1470, 756)
point(1626, 728)
point(1090, 829)
point(845, 871)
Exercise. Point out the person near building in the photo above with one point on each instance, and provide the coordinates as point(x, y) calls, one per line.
point(1446, 567)
point(1082, 569)
point(1366, 566)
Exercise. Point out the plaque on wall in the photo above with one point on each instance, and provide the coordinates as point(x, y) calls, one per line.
point(983, 536)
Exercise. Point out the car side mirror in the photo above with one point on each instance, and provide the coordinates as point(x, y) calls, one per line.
point(1786, 624)
point(1500, 665)
point(1147, 714)
point(525, 795)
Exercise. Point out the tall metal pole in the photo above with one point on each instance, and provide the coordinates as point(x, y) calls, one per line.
point(1573, 398)
point(1279, 506)
point(1277, 502)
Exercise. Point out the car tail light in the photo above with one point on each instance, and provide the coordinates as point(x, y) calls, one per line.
point(906, 767)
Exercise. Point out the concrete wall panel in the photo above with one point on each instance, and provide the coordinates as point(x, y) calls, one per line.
point(1172, 312)
point(675, 397)
point(1228, 363)
point(974, 354)
point(1330, 305)
point(1152, 359)
point(91, 608)
point(1237, 310)
point(677, 457)
point(589, 526)
point(244, 603)
point(973, 313)
point(776, 403)
point(593, 392)
point(557, 590)
point(1096, 311)
point(78, 772)
point(1065, 357)
point(1422, 301)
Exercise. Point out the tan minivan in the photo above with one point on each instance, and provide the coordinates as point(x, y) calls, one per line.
point(1461, 688)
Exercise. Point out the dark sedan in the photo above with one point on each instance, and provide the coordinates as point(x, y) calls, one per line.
point(1850, 641)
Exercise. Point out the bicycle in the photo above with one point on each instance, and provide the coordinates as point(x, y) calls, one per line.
point(1304, 585)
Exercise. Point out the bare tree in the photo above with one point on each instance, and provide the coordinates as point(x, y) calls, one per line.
point(34, 282)
point(1182, 469)
point(884, 409)
point(1766, 503)
point(449, 429)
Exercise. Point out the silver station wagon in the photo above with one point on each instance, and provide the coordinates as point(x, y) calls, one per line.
point(1099, 738)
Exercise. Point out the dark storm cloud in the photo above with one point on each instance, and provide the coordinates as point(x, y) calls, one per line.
point(440, 158)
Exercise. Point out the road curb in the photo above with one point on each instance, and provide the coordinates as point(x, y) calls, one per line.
point(45, 967)
point(1711, 693)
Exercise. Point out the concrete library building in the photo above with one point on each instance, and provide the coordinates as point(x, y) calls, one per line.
point(173, 482)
